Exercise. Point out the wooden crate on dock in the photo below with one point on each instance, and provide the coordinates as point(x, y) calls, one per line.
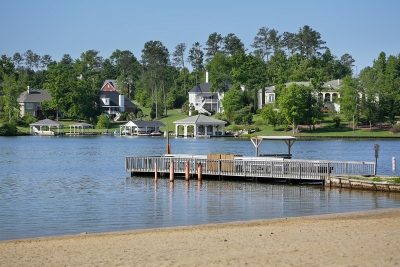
point(227, 166)
point(212, 162)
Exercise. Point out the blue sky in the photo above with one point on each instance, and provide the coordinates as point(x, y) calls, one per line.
point(362, 28)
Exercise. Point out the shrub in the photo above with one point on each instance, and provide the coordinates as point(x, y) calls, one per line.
point(103, 122)
point(337, 121)
point(395, 128)
point(8, 129)
point(396, 180)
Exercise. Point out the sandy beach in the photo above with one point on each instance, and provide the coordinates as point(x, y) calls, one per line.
point(350, 239)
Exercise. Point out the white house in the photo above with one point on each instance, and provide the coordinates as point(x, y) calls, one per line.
point(112, 101)
point(203, 100)
point(329, 94)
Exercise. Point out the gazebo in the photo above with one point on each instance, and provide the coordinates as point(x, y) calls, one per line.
point(79, 128)
point(202, 126)
point(127, 128)
point(44, 127)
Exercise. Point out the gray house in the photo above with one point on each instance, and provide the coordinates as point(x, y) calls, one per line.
point(30, 101)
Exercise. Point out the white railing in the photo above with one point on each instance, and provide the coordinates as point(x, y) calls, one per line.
point(263, 168)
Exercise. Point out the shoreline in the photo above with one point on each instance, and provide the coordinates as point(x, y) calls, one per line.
point(355, 238)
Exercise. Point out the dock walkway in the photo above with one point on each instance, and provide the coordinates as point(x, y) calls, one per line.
point(248, 167)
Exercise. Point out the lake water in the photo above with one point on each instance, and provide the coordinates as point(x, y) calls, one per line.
point(69, 185)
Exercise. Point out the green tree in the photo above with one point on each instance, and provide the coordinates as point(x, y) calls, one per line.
point(11, 89)
point(195, 58)
point(179, 55)
point(220, 72)
point(213, 45)
point(103, 122)
point(309, 41)
point(233, 45)
point(266, 41)
point(294, 104)
point(232, 102)
point(270, 115)
point(349, 99)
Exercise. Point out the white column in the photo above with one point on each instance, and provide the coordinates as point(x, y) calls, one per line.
point(194, 130)
point(185, 130)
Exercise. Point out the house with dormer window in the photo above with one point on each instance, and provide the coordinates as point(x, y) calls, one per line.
point(113, 102)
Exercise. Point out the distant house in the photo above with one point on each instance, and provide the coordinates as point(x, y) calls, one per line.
point(30, 101)
point(113, 102)
point(204, 101)
point(329, 94)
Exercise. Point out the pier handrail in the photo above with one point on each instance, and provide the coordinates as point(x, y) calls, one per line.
point(252, 167)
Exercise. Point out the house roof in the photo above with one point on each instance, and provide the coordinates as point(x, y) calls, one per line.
point(34, 96)
point(46, 122)
point(200, 119)
point(204, 88)
point(141, 124)
point(114, 100)
point(201, 88)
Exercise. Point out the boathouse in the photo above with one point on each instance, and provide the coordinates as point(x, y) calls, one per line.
point(141, 128)
point(45, 127)
point(200, 126)
point(80, 128)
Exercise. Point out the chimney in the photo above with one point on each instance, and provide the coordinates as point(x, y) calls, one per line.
point(121, 103)
point(29, 89)
point(206, 76)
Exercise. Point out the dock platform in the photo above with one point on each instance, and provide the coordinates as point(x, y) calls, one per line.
point(255, 168)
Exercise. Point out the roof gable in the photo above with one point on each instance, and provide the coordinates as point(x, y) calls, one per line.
point(109, 86)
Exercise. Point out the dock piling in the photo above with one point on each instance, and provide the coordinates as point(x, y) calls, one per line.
point(171, 171)
point(187, 172)
point(155, 171)
point(199, 172)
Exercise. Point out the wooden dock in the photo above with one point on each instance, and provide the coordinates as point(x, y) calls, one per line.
point(255, 168)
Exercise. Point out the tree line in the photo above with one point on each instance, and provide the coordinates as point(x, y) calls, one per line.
point(161, 80)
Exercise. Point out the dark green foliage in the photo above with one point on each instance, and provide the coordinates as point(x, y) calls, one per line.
point(336, 121)
point(26, 120)
point(103, 122)
point(244, 116)
point(271, 115)
point(8, 129)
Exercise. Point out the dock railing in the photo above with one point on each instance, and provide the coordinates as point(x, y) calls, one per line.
point(253, 167)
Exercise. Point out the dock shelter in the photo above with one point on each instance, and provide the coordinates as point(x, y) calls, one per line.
point(141, 127)
point(80, 128)
point(289, 141)
point(45, 127)
point(202, 126)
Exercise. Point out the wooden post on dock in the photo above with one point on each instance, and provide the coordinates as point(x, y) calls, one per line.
point(155, 171)
point(199, 172)
point(171, 171)
point(187, 171)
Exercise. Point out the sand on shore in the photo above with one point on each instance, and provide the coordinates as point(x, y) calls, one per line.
point(357, 239)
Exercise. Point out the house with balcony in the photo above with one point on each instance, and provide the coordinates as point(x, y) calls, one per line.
point(30, 101)
point(329, 94)
point(113, 102)
point(204, 101)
